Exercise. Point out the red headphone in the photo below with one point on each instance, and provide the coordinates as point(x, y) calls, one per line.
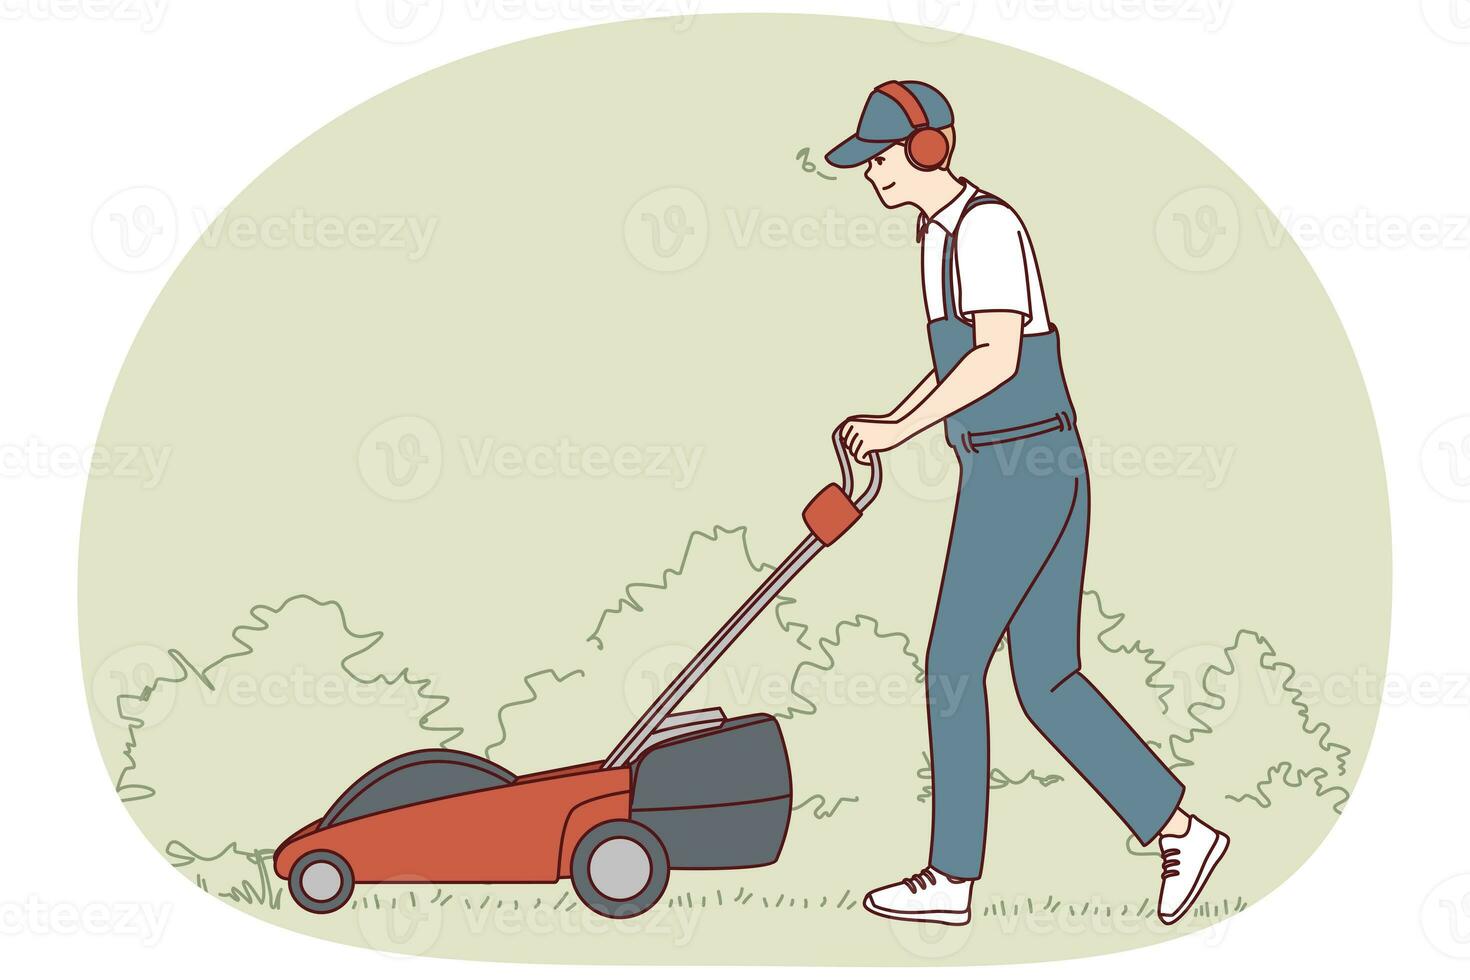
point(926, 146)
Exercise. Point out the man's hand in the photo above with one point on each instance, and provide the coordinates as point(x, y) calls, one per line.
point(864, 434)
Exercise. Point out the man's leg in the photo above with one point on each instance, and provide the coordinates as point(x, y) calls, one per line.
point(1064, 706)
point(1006, 521)
point(961, 645)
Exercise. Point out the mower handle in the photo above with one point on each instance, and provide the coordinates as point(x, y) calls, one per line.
point(844, 463)
point(829, 515)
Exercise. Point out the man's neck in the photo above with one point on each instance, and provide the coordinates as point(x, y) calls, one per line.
point(942, 190)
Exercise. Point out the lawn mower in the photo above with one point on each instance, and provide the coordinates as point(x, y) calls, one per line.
point(680, 790)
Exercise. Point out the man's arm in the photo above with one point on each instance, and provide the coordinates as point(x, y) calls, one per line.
point(989, 364)
point(914, 398)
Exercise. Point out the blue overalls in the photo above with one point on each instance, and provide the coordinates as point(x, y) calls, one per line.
point(1016, 554)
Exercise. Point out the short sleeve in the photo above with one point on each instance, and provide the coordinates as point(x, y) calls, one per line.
point(990, 263)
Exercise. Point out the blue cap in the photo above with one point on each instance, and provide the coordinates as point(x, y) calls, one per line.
point(884, 123)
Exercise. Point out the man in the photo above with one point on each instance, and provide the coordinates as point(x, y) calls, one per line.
point(1019, 539)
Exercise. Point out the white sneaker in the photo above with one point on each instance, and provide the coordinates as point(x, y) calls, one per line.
point(929, 896)
point(1188, 861)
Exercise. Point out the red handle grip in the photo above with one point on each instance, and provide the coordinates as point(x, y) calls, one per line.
point(830, 513)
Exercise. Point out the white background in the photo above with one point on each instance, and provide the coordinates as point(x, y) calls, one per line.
point(1347, 118)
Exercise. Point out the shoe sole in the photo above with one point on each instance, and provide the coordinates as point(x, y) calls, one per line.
point(1217, 851)
point(938, 916)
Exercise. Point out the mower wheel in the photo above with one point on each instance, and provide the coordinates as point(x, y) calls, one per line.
point(321, 882)
point(620, 869)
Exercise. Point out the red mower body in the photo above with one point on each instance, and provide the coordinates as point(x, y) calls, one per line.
point(714, 793)
point(521, 831)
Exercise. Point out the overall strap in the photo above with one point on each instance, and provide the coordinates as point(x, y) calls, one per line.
point(950, 313)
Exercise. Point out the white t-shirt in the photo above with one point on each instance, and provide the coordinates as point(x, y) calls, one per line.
point(995, 266)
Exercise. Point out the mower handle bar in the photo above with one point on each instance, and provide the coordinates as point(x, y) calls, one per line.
point(637, 737)
point(844, 463)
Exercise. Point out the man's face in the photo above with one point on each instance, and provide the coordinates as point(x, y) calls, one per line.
point(892, 177)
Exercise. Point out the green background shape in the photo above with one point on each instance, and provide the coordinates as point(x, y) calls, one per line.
point(630, 280)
